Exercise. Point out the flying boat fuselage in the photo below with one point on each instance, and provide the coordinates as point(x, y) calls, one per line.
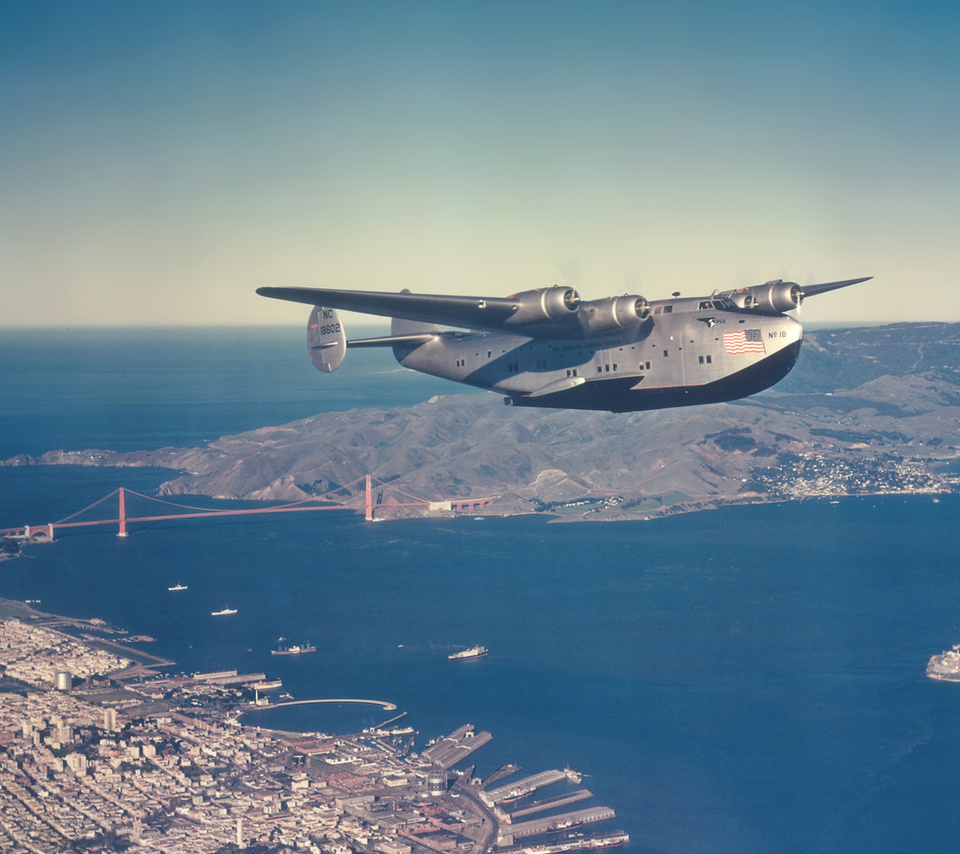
point(547, 348)
point(694, 353)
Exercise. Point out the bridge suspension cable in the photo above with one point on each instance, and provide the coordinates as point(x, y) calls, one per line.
point(366, 492)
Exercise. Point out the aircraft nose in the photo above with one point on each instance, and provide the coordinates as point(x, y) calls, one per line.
point(787, 331)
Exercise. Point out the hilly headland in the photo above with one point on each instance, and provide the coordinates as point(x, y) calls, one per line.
point(867, 410)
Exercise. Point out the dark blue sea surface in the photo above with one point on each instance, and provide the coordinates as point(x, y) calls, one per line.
point(152, 387)
point(750, 679)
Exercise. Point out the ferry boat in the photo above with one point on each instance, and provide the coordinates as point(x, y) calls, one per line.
point(223, 612)
point(473, 652)
point(178, 587)
point(946, 666)
point(292, 650)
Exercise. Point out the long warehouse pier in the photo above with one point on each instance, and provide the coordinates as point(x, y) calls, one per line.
point(580, 843)
point(564, 821)
point(448, 751)
point(549, 804)
point(522, 787)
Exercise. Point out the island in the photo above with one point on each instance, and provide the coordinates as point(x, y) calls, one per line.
point(868, 410)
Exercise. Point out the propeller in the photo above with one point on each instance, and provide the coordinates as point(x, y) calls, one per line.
point(569, 272)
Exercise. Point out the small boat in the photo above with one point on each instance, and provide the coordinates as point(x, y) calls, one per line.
point(178, 587)
point(223, 612)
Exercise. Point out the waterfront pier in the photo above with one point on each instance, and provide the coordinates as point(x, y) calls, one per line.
point(521, 788)
point(569, 820)
point(448, 751)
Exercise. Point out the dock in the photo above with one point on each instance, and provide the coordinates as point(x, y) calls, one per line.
point(580, 843)
point(451, 749)
point(549, 804)
point(499, 774)
point(523, 787)
point(565, 821)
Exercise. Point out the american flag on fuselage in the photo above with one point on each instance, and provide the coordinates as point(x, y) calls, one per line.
point(743, 341)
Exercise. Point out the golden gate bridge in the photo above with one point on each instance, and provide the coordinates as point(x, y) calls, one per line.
point(124, 506)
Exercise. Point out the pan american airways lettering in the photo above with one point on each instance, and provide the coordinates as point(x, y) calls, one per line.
point(743, 341)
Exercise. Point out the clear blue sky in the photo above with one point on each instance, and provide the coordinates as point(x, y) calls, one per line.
point(161, 160)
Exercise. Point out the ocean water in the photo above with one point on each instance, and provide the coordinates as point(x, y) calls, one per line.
point(749, 679)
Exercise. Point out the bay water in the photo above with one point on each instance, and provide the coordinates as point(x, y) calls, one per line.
point(750, 679)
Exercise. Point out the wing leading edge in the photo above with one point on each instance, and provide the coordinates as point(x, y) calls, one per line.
point(813, 290)
point(547, 313)
point(488, 313)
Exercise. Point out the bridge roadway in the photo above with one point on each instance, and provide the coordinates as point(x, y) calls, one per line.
point(353, 496)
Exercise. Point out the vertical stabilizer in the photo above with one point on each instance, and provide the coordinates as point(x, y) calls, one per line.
point(326, 340)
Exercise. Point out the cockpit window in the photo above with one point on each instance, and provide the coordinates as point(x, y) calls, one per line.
point(705, 304)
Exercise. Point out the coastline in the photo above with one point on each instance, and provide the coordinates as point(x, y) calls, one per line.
point(595, 509)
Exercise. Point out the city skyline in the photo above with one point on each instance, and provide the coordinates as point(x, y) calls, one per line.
point(162, 161)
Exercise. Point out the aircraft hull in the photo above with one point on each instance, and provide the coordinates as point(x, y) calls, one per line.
point(616, 395)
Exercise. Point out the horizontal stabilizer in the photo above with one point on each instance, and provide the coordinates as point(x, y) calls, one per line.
point(392, 340)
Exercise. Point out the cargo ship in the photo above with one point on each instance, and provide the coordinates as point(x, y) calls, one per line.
point(292, 650)
point(473, 652)
point(223, 612)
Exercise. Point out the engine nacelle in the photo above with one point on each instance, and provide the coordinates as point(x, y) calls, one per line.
point(778, 296)
point(544, 304)
point(613, 313)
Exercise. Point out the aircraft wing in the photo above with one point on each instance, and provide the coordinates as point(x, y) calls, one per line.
point(492, 314)
point(813, 290)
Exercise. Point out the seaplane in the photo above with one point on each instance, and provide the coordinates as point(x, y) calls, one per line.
point(550, 348)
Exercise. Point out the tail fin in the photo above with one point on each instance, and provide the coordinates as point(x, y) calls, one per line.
point(326, 339)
